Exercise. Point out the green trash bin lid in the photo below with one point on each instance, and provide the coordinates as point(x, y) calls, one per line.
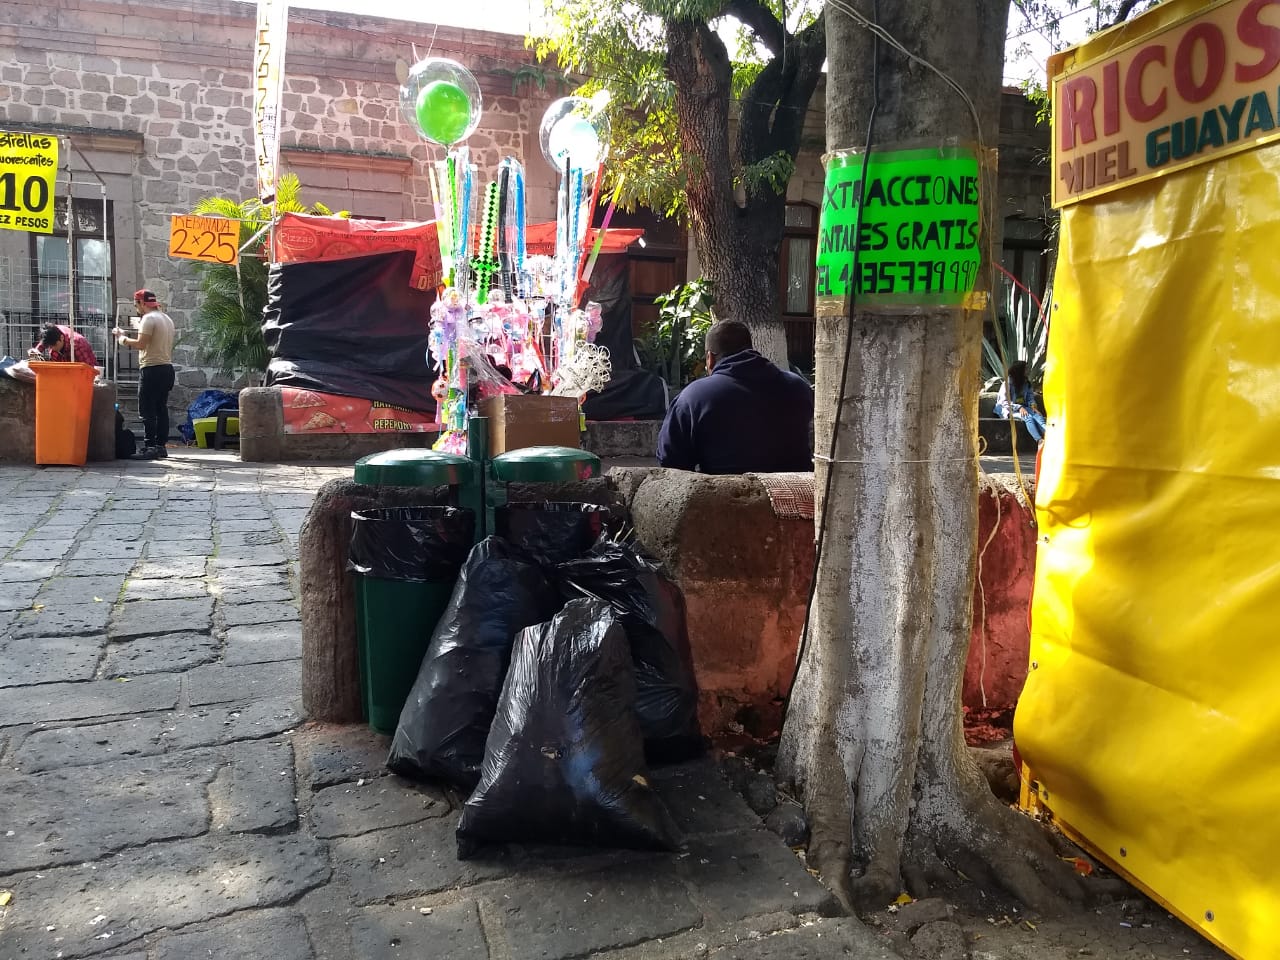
point(413, 468)
point(545, 465)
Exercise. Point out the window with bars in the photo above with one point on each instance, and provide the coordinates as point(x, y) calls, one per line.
point(55, 264)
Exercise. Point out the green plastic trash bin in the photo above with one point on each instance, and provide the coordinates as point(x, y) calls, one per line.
point(406, 560)
point(534, 465)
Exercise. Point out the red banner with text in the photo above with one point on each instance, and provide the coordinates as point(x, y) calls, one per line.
point(308, 411)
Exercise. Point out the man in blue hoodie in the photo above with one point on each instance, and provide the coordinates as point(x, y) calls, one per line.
point(747, 416)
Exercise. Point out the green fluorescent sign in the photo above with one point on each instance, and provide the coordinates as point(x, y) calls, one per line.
point(917, 236)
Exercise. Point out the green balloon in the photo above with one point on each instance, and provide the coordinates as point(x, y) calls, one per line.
point(444, 112)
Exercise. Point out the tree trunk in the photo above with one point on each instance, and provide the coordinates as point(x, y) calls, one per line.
point(737, 247)
point(873, 735)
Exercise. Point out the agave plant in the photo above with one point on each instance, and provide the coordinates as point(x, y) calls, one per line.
point(228, 319)
point(1021, 333)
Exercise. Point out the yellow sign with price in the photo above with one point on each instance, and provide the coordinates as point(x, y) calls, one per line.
point(28, 166)
point(210, 239)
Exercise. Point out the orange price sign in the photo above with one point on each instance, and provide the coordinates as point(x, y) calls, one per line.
point(211, 239)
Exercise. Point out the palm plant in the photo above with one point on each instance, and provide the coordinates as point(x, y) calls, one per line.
point(228, 320)
point(673, 347)
point(1021, 332)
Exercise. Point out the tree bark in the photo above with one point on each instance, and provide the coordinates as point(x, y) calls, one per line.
point(738, 239)
point(873, 736)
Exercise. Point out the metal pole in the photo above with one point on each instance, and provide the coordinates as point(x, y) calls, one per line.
point(111, 280)
point(71, 257)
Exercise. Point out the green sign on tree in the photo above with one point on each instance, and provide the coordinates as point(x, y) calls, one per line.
point(914, 224)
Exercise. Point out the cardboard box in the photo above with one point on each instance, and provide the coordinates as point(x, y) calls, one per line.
point(517, 421)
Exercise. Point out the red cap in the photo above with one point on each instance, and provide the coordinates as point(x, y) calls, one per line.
point(146, 296)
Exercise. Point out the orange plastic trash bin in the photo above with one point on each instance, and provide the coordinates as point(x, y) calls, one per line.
point(64, 404)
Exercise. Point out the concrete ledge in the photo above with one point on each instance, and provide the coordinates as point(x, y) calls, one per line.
point(745, 574)
point(18, 422)
point(622, 438)
point(263, 440)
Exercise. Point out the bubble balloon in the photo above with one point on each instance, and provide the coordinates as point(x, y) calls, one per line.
point(441, 100)
point(573, 128)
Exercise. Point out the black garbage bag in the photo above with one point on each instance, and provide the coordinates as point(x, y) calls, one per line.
point(446, 718)
point(417, 544)
point(551, 530)
point(650, 608)
point(564, 762)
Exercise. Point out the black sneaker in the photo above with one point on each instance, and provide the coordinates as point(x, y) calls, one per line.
point(146, 453)
point(161, 452)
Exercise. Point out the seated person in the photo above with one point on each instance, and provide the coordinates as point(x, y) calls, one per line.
point(55, 344)
point(1017, 400)
point(745, 416)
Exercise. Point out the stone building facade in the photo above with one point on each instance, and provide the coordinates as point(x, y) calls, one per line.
point(154, 99)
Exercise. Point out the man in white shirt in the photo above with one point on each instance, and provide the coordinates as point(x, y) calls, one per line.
point(154, 343)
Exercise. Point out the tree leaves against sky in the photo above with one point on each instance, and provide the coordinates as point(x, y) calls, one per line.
point(620, 46)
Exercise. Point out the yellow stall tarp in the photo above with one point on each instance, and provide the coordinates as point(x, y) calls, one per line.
point(1150, 721)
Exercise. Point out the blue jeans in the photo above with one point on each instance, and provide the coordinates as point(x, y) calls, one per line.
point(1033, 419)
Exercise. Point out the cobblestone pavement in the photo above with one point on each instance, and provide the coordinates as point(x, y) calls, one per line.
point(160, 796)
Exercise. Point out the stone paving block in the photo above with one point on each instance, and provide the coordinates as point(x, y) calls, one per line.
point(56, 619)
point(408, 861)
point(346, 810)
point(99, 589)
point(94, 568)
point(162, 653)
point(740, 875)
point(33, 660)
point(453, 931)
point(332, 754)
point(263, 643)
point(164, 885)
point(259, 593)
point(79, 815)
point(241, 568)
point(257, 514)
point(572, 915)
point(81, 701)
point(116, 531)
point(253, 791)
point(167, 530)
point(163, 549)
point(166, 567)
point(284, 501)
point(257, 556)
point(235, 615)
point(278, 934)
point(701, 800)
point(264, 536)
point(109, 550)
point(126, 516)
point(150, 736)
point(18, 596)
point(218, 684)
point(180, 589)
point(241, 526)
point(248, 577)
point(147, 617)
point(24, 571)
point(823, 940)
point(38, 548)
point(293, 519)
